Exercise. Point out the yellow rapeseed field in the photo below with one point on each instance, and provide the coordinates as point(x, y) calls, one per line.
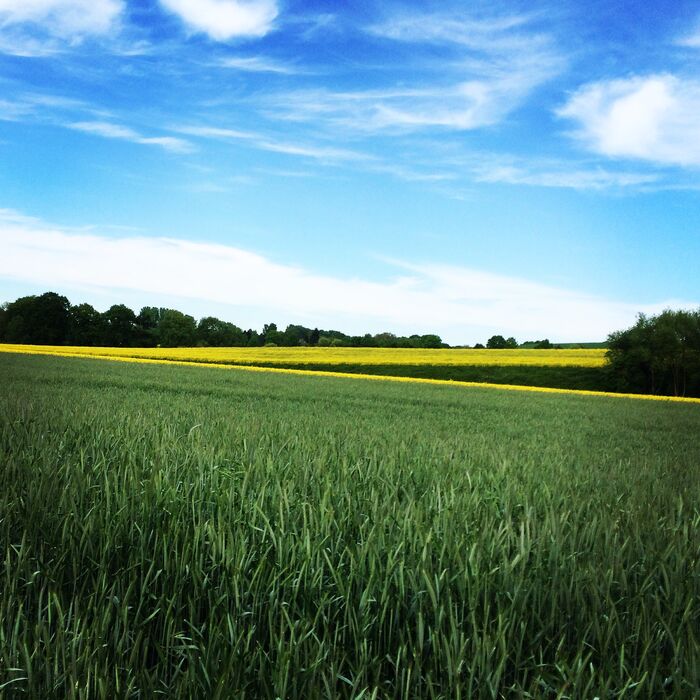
point(140, 355)
point(339, 356)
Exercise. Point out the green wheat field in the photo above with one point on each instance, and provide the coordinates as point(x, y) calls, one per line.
point(182, 532)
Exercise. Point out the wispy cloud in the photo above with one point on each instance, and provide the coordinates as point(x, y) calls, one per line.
point(653, 118)
point(564, 176)
point(308, 26)
point(691, 40)
point(227, 184)
point(12, 111)
point(486, 70)
point(215, 132)
point(259, 64)
point(463, 106)
point(15, 42)
point(35, 106)
point(226, 19)
point(317, 152)
point(63, 18)
point(477, 33)
point(123, 133)
point(462, 304)
point(77, 115)
point(413, 173)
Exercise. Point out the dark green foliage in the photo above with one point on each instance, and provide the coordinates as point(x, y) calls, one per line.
point(216, 333)
point(120, 327)
point(43, 319)
point(270, 335)
point(658, 355)
point(253, 338)
point(177, 330)
point(537, 344)
point(148, 320)
point(50, 320)
point(295, 336)
point(581, 346)
point(87, 326)
point(427, 341)
point(199, 533)
point(498, 342)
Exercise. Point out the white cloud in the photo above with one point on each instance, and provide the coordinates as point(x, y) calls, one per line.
point(322, 153)
point(313, 151)
point(37, 107)
point(12, 111)
point(652, 118)
point(215, 132)
point(480, 33)
point(258, 64)
point(17, 43)
point(486, 70)
point(691, 40)
point(566, 178)
point(462, 304)
point(62, 18)
point(226, 19)
point(123, 133)
point(463, 106)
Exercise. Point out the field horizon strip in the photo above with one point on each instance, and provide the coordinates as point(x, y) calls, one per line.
point(449, 357)
point(171, 532)
point(140, 355)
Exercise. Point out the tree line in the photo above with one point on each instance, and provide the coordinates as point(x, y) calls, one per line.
point(658, 355)
point(50, 319)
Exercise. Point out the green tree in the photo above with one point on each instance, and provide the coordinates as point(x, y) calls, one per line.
point(38, 320)
point(177, 330)
point(148, 322)
point(214, 332)
point(296, 335)
point(537, 344)
point(270, 334)
point(385, 340)
point(87, 326)
point(120, 326)
point(430, 341)
point(497, 342)
point(658, 355)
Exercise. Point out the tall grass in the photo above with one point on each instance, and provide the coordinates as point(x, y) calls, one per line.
point(186, 533)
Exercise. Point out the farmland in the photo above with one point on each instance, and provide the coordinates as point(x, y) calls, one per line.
point(566, 369)
point(185, 532)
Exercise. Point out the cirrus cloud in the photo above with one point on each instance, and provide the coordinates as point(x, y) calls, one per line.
point(62, 18)
point(108, 130)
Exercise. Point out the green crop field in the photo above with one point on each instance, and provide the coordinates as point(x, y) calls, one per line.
point(185, 532)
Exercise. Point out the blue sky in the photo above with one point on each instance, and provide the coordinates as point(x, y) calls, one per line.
point(526, 168)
